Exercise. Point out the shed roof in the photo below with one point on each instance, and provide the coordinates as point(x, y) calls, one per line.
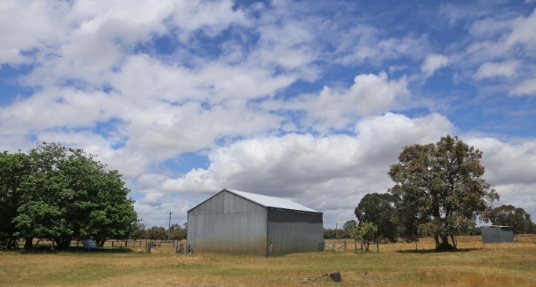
point(496, 226)
point(266, 201)
point(269, 201)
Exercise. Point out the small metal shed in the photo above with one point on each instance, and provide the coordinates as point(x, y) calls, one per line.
point(497, 234)
point(240, 222)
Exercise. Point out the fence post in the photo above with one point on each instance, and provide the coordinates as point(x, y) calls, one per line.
point(112, 244)
point(344, 244)
point(355, 246)
point(270, 249)
point(176, 243)
point(333, 243)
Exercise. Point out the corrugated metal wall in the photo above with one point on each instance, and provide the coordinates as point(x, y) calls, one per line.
point(497, 234)
point(292, 231)
point(227, 223)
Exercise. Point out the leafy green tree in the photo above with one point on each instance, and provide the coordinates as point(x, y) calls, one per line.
point(13, 169)
point(44, 197)
point(532, 228)
point(349, 225)
point(69, 195)
point(380, 209)
point(440, 189)
point(140, 232)
point(509, 215)
point(329, 233)
point(366, 233)
point(177, 233)
point(157, 233)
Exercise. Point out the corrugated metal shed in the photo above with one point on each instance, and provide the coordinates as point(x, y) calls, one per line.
point(241, 222)
point(497, 234)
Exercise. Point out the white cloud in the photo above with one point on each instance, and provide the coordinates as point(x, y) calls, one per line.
point(370, 94)
point(433, 62)
point(502, 69)
point(527, 87)
point(366, 43)
point(523, 31)
point(26, 25)
point(507, 163)
point(500, 47)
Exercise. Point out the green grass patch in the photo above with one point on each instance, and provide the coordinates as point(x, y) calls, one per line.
point(183, 266)
point(242, 272)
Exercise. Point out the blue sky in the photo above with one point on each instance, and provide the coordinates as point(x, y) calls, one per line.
point(310, 101)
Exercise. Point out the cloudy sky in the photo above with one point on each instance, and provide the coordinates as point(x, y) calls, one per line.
point(305, 100)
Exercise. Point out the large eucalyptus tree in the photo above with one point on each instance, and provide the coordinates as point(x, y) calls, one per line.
point(440, 189)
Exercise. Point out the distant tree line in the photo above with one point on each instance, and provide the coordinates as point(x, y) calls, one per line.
point(161, 233)
point(61, 194)
point(439, 192)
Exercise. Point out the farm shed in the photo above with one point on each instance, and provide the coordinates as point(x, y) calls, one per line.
point(497, 234)
point(246, 223)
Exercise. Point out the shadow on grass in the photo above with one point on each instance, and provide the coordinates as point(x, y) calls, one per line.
point(72, 249)
point(427, 251)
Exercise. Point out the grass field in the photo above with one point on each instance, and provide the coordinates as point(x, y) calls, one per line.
point(396, 264)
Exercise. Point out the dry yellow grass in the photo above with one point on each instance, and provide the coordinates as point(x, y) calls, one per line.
point(395, 265)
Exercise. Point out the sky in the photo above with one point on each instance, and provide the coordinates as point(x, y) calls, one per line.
point(311, 101)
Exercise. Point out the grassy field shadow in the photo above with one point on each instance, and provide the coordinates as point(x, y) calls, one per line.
point(72, 249)
point(428, 251)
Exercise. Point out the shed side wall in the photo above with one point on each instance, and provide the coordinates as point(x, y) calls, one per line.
point(293, 232)
point(228, 223)
point(497, 235)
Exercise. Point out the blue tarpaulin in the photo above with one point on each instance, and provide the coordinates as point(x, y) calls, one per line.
point(89, 244)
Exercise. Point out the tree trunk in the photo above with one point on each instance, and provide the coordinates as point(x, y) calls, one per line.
point(29, 243)
point(63, 243)
point(454, 243)
point(445, 245)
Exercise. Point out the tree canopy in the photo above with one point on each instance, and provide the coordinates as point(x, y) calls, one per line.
point(63, 194)
point(380, 209)
point(440, 189)
point(349, 226)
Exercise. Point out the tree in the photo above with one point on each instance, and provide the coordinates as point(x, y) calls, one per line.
point(157, 233)
point(440, 189)
point(68, 195)
point(349, 226)
point(329, 233)
point(380, 209)
point(366, 233)
point(140, 232)
point(509, 215)
point(44, 197)
point(13, 169)
point(177, 233)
